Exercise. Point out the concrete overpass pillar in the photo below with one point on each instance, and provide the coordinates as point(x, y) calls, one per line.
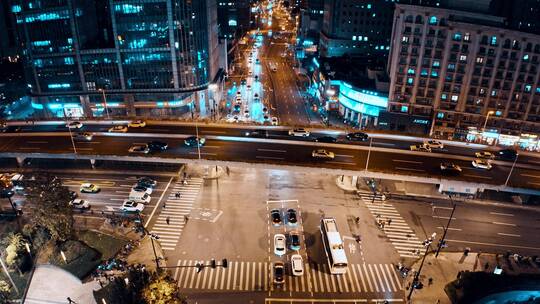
point(93, 163)
point(20, 161)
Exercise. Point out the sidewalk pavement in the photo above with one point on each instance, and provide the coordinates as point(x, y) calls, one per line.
point(213, 172)
point(442, 270)
point(347, 183)
point(51, 284)
point(144, 254)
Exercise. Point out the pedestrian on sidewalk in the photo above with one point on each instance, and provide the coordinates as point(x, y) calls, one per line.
point(357, 219)
point(228, 170)
point(177, 195)
point(70, 300)
point(164, 205)
point(430, 281)
point(186, 218)
point(168, 220)
point(389, 222)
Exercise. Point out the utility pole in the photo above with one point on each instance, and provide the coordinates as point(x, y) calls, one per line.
point(441, 241)
point(427, 243)
point(511, 170)
point(369, 152)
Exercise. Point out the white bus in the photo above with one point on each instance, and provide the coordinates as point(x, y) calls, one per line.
point(333, 246)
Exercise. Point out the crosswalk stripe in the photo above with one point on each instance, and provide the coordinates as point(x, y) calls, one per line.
point(355, 276)
point(383, 273)
point(207, 272)
point(373, 278)
point(259, 270)
point(327, 284)
point(186, 272)
point(266, 276)
point(397, 278)
point(359, 268)
point(198, 275)
point(229, 275)
point(234, 279)
point(389, 270)
point(379, 281)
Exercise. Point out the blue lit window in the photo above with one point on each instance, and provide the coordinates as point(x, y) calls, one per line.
point(528, 88)
point(434, 73)
point(70, 40)
point(354, 38)
point(526, 57)
point(498, 113)
point(493, 40)
point(369, 6)
point(63, 14)
point(404, 109)
point(433, 20)
point(457, 36)
point(424, 72)
point(38, 63)
point(69, 60)
point(233, 22)
point(59, 86)
point(494, 93)
point(137, 43)
point(440, 115)
point(451, 66)
point(365, 38)
point(410, 71)
point(444, 96)
point(410, 80)
point(41, 43)
point(538, 90)
point(436, 63)
point(128, 8)
point(16, 8)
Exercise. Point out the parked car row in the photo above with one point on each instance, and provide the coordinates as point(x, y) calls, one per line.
point(283, 242)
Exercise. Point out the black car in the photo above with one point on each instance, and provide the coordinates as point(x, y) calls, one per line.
point(326, 139)
point(243, 81)
point(450, 168)
point(294, 241)
point(357, 136)
point(146, 182)
point(257, 133)
point(73, 195)
point(279, 273)
point(507, 154)
point(157, 146)
point(291, 217)
point(237, 108)
point(194, 141)
point(276, 217)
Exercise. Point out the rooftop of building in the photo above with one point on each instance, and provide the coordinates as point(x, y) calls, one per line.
point(352, 70)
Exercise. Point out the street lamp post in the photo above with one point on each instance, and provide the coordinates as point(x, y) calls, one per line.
point(153, 237)
point(105, 102)
point(487, 117)
point(369, 152)
point(427, 243)
point(511, 170)
point(70, 133)
point(441, 241)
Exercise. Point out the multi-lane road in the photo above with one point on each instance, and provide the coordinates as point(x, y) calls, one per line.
point(386, 155)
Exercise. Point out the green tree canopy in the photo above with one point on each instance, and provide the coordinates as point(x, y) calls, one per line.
point(50, 209)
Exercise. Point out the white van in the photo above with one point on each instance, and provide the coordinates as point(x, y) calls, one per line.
point(139, 197)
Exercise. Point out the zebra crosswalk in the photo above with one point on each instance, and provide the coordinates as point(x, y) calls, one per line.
point(398, 231)
point(257, 276)
point(172, 218)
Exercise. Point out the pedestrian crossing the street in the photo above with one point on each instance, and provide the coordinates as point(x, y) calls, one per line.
point(257, 276)
point(394, 226)
point(175, 212)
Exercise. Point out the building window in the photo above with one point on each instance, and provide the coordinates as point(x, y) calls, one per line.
point(455, 98)
point(463, 58)
point(434, 73)
point(457, 36)
point(528, 88)
point(493, 93)
point(436, 63)
point(404, 109)
point(405, 39)
point(467, 37)
point(451, 66)
point(493, 40)
point(433, 20)
point(444, 96)
point(440, 115)
point(526, 57)
point(410, 71)
point(479, 59)
point(410, 80)
point(424, 72)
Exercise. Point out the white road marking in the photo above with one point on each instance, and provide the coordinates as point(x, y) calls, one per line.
point(344, 155)
point(503, 214)
point(504, 224)
point(409, 169)
point(157, 204)
point(478, 176)
point(450, 228)
point(215, 132)
point(271, 150)
point(29, 148)
point(406, 161)
point(37, 142)
point(340, 163)
point(269, 157)
point(203, 153)
point(443, 217)
point(447, 208)
point(509, 234)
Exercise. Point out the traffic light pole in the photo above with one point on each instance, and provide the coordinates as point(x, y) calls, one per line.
point(441, 242)
point(201, 266)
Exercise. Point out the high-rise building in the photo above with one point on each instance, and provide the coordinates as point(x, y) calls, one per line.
point(142, 57)
point(463, 74)
point(311, 20)
point(8, 37)
point(234, 18)
point(356, 27)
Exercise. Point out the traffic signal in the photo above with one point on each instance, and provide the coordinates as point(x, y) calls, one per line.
point(224, 263)
point(213, 263)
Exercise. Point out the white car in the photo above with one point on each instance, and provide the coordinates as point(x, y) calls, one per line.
point(482, 164)
point(79, 204)
point(433, 144)
point(301, 132)
point(323, 154)
point(274, 121)
point(139, 123)
point(74, 125)
point(484, 154)
point(279, 244)
point(297, 265)
point(421, 148)
point(139, 149)
point(119, 129)
point(131, 206)
point(246, 113)
point(140, 188)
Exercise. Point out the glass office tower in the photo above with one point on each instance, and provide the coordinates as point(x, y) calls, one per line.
point(141, 58)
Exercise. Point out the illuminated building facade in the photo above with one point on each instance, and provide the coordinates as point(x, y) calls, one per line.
point(461, 71)
point(234, 18)
point(143, 57)
point(356, 27)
